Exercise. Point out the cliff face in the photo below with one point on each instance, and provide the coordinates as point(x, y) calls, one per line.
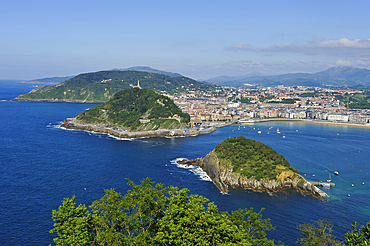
point(224, 177)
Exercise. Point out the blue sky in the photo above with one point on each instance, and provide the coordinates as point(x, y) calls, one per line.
point(199, 39)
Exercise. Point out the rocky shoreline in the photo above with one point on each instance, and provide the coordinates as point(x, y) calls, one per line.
point(73, 123)
point(223, 178)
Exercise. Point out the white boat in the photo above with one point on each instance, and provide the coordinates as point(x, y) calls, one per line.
point(329, 180)
point(336, 172)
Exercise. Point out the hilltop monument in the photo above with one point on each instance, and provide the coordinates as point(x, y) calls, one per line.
point(138, 85)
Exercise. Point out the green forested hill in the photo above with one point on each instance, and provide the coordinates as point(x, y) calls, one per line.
point(101, 86)
point(252, 158)
point(128, 106)
point(356, 100)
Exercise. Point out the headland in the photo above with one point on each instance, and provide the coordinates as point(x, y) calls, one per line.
point(73, 123)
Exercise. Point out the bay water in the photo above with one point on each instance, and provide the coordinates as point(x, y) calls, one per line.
point(41, 163)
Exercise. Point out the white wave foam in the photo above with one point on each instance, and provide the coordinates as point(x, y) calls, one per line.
point(117, 138)
point(194, 169)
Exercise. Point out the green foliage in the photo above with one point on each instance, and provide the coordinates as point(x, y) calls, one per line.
point(72, 224)
point(243, 100)
point(101, 86)
point(252, 158)
point(128, 106)
point(156, 215)
point(285, 101)
point(356, 100)
point(253, 226)
point(192, 220)
point(359, 237)
point(130, 219)
point(319, 235)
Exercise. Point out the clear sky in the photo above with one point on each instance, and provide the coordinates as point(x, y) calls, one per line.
point(199, 39)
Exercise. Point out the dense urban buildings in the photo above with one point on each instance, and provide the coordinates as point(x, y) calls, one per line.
point(298, 102)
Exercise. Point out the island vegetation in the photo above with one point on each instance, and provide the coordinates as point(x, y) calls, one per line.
point(137, 109)
point(101, 86)
point(246, 163)
point(151, 214)
point(251, 158)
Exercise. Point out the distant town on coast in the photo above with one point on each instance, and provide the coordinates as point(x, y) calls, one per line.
point(336, 95)
point(280, 102)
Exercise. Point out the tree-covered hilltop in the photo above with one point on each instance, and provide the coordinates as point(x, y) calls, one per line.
point(101, 86)
point(251, 158)
point(137, 109)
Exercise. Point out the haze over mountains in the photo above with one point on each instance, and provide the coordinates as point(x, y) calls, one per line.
point(335, 76)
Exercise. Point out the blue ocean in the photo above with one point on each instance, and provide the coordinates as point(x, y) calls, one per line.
point(41, 163)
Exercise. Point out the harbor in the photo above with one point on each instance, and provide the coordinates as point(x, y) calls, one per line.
point(324, 184)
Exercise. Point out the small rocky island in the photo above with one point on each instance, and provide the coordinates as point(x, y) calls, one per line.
point(246, 163)
point(135, 113)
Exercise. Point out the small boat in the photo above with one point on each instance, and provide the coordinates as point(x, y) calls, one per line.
point(326, 185)
point(329, 180)
point(259, 131)
point(336, 172)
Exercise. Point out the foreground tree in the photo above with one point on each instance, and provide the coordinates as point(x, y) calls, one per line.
point(359, 237)
point(73, 224)
point(156, 215)
point(193, 220)
point(253, 227)
point(130, 219)
point(320, 235)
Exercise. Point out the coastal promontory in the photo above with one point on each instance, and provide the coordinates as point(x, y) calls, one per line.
point(247, 163)
point(135, 113)
point(103, 85)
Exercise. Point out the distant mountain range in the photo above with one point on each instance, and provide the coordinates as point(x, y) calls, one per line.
point(336, 76)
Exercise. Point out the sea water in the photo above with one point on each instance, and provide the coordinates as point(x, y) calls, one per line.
point(41, 163)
